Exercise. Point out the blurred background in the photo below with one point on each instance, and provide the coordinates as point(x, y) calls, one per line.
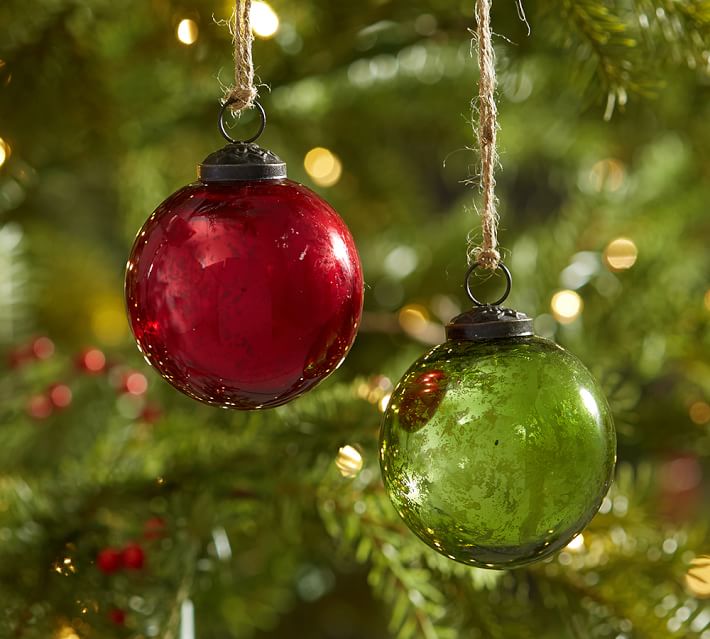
point(127, 510)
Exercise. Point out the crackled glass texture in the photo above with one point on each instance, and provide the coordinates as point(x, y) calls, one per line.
point(246, 294)
point(497, 453)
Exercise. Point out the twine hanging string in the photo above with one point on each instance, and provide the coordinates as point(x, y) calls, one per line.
point(242, 95)
point(486, 255)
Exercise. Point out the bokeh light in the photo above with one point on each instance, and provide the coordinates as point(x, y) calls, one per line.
point(577, 544)
point(375, 389)
point(108, 320)
point(425, 24)
point(43, 348)
point(349, 461)
point(323, 166)
point(414, 321)
point(93, 360)
point(400, 261)
point(64, 566)
point(187, 31)
point(582, 268)
point(136, 384)
point(566, 306)
point(39, 407)
point(699, 413)
point(4, 151)
point(680, 474)
point(413, 318)
point(620, 254)
point(697, 579)
point(264, 21)
point(60, 395)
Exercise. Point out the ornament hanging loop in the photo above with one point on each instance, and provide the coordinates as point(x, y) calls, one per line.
point(499, 301)
point(223, 128)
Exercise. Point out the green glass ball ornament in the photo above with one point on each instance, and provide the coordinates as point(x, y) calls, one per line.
point(498, 446)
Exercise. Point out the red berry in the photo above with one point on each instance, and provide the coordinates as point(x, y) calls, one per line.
point(43, 348)
point(92, 361)
point(133, 557)
point(60, 395)
point(20, 356)
point(117, 616)
point(39, 407)
point(109, 560)
point(151, 414)
point(154, 528)
point(135, 383)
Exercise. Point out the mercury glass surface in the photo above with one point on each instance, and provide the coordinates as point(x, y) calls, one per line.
point(497, 453)
point(244, 294)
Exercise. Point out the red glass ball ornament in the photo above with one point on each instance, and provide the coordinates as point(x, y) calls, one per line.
point(133, 557)
point(244, 293)
point(109, 560)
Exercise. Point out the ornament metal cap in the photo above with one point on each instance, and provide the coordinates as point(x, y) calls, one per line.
point(241, 160)
point(489, 321)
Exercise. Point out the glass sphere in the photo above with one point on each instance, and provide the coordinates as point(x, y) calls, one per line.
point(244, 294)
point(497, 453)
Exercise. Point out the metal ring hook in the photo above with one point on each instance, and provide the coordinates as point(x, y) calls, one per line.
point(223, 129)
point(508, 285)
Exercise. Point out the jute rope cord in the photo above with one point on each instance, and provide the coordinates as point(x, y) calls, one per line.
point(242, 95)
point(486, 255)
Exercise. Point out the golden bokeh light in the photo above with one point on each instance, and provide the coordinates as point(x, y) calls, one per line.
point(415, 321)
point(566, 306)
point(349, 461)
point(323, 166)
point(576, 545)
point(697, 579)
point(67, 632)
point(264, 21)
point(620, 254)
point(108, 320)
point(187, 31)
point(4, 151)
point(375, 389)
point(707, 299)
point(413, 318)
point(699, 413)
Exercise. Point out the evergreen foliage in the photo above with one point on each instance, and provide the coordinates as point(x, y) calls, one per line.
point(247, 515)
